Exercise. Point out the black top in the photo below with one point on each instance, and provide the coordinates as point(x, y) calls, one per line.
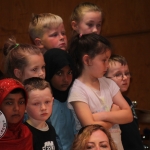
point(43, 140)
point(130, 135)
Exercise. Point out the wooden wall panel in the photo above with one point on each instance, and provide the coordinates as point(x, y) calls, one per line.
point(126, 24)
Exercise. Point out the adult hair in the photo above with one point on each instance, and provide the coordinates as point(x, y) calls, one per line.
point(91, 44)
point(82, 138)
point(36, 83)
point(117, 58)
point(16, 56)
point(81, 9)
point(42, 22)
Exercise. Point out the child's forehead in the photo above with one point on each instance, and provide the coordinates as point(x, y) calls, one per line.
point(115, 65)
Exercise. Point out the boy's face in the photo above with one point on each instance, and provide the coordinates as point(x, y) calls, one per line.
point(13, 107)
point(55, 38)
point(39, 106)
point(120, 74)
point(62, 79)
point(35, 67)
point(90, 23)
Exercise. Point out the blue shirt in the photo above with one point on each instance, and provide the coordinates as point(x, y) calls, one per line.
point(63, 121)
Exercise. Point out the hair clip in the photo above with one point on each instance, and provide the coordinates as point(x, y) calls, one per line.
point(16, 45)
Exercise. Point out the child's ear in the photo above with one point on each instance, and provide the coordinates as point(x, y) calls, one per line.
point(86, 60)
point(74, 25)
point(17, 73)
point(38, 43)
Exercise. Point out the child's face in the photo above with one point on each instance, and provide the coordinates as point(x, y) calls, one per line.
point(35, 67)
point(89, 23)
point(115, 71)
point(98, 65)
point(39, 106)
point(55, 38)
point(62, 79)
point(13, 107)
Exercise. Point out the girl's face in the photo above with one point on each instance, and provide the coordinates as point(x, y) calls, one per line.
point(98, 141)
point(62, 79)
point(89, 23)
point(13, 107)
point(39, 106)
point(98, 65)
point(35, 67)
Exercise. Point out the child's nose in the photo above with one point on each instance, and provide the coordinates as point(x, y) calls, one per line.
point(43, 107)
point(16, 107)
point(95, 29)
point(42, 74)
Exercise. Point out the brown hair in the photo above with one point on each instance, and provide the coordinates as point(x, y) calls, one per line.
point(16, 56)
point(35, 83)
point(84, 134)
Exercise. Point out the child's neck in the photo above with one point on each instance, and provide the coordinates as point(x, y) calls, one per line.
point(90, 81)
point(36, 123)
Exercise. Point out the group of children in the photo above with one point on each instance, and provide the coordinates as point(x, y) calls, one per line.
point(57, 89)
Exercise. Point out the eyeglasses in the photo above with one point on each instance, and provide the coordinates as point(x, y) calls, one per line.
point(121, 76)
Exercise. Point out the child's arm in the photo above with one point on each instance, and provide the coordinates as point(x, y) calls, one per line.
point(85, 116)
point(122, 116)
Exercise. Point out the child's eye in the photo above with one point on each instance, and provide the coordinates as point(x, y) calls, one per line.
point(54, 34)
point(59, 73)
point(90, 25)
point(98, 25)
point(47, 102)
point(63, 33)
point(70, 72)
point(35, 69)
point(36, 104)
point(9, 103)
point(43, 67)
point(22, 102)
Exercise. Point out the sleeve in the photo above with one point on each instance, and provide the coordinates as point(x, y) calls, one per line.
point(77, 93)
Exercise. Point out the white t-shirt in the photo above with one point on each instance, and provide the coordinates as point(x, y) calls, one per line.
point(98, 101)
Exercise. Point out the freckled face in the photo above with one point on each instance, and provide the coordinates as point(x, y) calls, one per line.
point(39, 106)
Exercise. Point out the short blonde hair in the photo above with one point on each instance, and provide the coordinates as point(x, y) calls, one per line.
point(42, 22)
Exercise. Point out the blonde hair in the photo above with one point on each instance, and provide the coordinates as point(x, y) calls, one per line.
point(16, 56)
point(41, 22)
point(80, 10)
point(82, 138)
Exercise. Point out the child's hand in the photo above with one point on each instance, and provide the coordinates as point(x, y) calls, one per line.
point(115, 107)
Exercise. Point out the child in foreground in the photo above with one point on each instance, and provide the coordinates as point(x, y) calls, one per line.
point(119, 72)
point(59, 73)
point(39, 109)
point(13, 100)
point(92, 95)
point(47, 31)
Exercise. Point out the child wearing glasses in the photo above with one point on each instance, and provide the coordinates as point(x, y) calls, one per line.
point(119, 72)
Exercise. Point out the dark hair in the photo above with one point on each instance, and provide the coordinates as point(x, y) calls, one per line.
point(84, 134)
point(36, 83)
point(19, 90)
point(90, 44)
